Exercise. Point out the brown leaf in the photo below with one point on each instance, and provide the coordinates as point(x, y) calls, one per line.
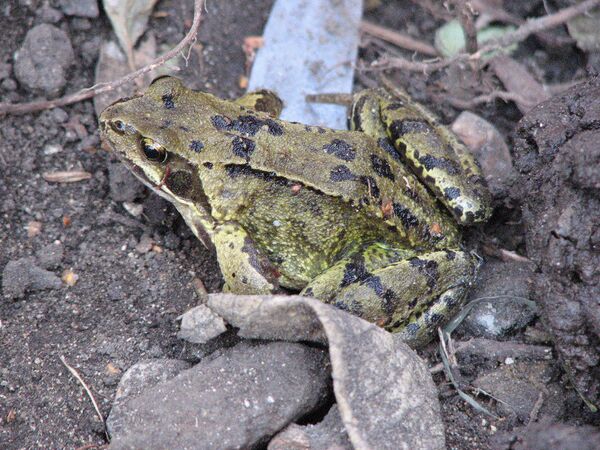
point(67, 176)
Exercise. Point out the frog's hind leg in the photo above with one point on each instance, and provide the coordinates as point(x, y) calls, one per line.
point(432, 151)
point(263, 101)
point(411, 296)
point(244, 268)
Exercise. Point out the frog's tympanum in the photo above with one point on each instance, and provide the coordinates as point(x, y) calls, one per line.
point(366, 220)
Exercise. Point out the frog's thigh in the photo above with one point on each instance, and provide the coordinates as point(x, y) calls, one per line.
point(244, 268)
point(263, 101)
point(413, 296)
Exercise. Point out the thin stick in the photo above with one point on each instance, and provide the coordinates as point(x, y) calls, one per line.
point(530, 27)
point(87, 390)
point(398, 39)
point(22, 108)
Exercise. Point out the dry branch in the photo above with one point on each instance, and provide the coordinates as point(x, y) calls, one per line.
point(22, 108)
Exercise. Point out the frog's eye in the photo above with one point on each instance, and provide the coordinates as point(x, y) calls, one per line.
point(154, 151)
point(118, 126)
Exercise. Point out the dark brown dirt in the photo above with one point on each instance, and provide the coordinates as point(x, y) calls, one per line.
point(124, 305)
point(558, 155)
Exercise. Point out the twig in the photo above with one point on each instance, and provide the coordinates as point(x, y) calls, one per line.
point(466, 14)
point(502, 95)
point(530, 27)
point(88, 391)
point(22, 108)
point(398, 39)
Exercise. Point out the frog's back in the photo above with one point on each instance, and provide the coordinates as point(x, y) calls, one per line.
point(364, 173)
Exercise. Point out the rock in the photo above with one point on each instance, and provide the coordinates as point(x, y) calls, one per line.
point(329, 434)
point(378, 381)
point(50, 256)
point(236, 400)
point(520, 386)
point(42, 60)
point(81, 8)
point(557, 155)
point(47, 14)
point(555, 436)
point(5, 70)
point(135, 380)
point(24, 275)
point(488, 146)
point(498, 318)
point(124, 187)
point(199, 325)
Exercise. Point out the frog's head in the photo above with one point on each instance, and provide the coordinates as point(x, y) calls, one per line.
point(145, 132)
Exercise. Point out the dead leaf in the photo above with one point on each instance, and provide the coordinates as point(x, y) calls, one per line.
point(67, 176)
point(129, 19)
point(516, 79)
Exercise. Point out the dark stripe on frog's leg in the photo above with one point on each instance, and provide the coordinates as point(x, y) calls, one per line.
point(244, 268)
point(412, 296)
point(353, 269)
point(263, 101)
point(439, 160)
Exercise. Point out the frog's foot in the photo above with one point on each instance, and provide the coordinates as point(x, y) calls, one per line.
point(263, 101)
point(435, 155)
point(244, 268)
point(411, 296)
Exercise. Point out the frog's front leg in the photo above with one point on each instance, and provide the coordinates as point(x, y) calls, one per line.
point(431, 150)
point(410, 296)
point(244, 268)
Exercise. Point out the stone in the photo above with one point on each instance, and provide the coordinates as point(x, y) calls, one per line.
point(199, 325)
point(329, 434)
point(43, 59)
point(238, 399)
point(139, 377)
point(80, 8)
point(499, 317)
point(23, 275)
point(124, 187)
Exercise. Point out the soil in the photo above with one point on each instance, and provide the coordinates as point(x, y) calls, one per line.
point(134, 275)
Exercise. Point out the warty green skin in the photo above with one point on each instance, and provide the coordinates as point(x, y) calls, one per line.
point(344, 216)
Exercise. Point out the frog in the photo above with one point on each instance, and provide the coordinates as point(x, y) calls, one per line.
point(368, 220)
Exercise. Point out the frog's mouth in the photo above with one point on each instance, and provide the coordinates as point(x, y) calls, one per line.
point(157, 188)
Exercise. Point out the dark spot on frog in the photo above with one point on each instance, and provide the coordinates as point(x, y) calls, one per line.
point(208, 165)
point(398, 104)
point(413, 303)
point(340, 149)
point(428, 267)
point(168, 101)
point(245, 280)
point(307, 128)
point(388, 296)
point(435, 318)
point(180, 183)
point(450, 255)
point(321, 130)
point(371, 186)
point(196, 146)
point(412, 329)
point(247, 124)
point(451, 193)
point(354, 271)
point(431, 162)
point(308, 292)
point(407, 218)
point(184, 128)
point(399, 128)
point(356, 114)
point(243, 147)
point(231, 245)
point(165, 124)
point(220, 122)
point(458, 211)
point(382, 167)
point(341, 173)
point(386, 144)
